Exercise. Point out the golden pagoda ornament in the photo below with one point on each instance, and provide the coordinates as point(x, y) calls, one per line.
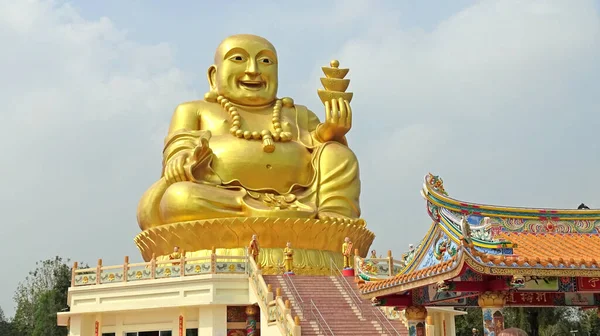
point(334, 83)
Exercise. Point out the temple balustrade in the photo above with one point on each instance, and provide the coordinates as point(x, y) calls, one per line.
point(158, 269)
point(275, 312)
point(372, 269)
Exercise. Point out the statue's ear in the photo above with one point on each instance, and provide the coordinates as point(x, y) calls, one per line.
point(211, 95)
point(212, 77)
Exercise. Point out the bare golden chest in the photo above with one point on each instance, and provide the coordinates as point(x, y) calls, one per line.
point(245, 161)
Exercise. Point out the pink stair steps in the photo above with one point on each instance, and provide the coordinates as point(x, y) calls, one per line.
point(331, 296)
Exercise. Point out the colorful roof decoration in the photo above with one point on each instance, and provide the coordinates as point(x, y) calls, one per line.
point(485, 240)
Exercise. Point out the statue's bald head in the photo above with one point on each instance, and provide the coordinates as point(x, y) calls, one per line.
point(245, 70)
point(242, 40)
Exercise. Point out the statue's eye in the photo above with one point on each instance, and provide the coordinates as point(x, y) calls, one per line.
point(265, 60)
point(237, 58)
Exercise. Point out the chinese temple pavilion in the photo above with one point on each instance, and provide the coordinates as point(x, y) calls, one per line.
point(490, 257)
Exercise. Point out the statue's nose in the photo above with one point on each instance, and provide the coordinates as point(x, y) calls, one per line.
point(252, 69)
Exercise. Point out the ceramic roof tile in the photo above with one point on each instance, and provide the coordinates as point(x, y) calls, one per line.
point(549, 250)
point(404, 278)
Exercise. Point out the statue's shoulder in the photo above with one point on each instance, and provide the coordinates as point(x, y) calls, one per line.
point(302, 108)
point(304, 111)
point(306, 117)
point(196, 107)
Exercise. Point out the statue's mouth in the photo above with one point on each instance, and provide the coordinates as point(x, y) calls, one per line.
point(252, 85)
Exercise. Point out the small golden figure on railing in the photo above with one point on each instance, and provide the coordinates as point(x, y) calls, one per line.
point(288, 254)
point(347, 252)
point(373, 254)
point(254, 249)
point(175, 255)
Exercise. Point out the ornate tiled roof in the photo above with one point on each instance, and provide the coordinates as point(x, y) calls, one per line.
point(547, 250)
point(497, 241)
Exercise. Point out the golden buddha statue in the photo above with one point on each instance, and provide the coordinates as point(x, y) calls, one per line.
point(242, 157)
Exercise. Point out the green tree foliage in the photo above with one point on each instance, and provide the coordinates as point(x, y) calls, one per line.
point(40, 296)
point(551, 321)
point(594, 321)
point(466, 323)
point(533, 320)
point(5, 325)
point(44, 318)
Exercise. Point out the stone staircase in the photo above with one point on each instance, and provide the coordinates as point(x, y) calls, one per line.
point(330, 295)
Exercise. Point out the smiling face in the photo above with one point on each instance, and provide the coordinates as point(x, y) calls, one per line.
point(245, 70)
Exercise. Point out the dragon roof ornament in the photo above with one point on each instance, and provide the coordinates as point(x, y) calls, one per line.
point(436, 183)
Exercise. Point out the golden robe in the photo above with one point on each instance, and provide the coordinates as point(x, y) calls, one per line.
point(234, 177)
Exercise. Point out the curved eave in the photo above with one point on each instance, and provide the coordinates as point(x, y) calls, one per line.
point(398, 286)
point(444, 201)
point(421, 250)
point(487, 269)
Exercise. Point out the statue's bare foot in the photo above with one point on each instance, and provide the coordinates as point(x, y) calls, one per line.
point(337, 218)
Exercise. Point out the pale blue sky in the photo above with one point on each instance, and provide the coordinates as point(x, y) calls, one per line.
point(500, 98)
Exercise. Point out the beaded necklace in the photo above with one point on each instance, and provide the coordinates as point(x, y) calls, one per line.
point(268, 138)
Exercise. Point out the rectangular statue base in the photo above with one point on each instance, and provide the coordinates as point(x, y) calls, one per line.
point(348, 272)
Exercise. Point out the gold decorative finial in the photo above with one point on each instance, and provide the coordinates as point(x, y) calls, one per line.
point(334, 83)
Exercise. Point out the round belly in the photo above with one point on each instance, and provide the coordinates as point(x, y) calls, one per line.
point(245, 161)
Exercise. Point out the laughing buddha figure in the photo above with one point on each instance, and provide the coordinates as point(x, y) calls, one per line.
point(244, 152)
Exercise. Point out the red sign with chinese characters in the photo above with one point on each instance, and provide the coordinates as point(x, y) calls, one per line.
point(533, 299)
point(180, 325)
point(588, 284)
point(96, 329)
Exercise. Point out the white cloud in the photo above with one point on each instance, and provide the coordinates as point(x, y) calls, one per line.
point(498, 99)
point(82, 108)
point(491, 53)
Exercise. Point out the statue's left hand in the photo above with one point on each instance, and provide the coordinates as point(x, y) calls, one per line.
point(338, 120)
